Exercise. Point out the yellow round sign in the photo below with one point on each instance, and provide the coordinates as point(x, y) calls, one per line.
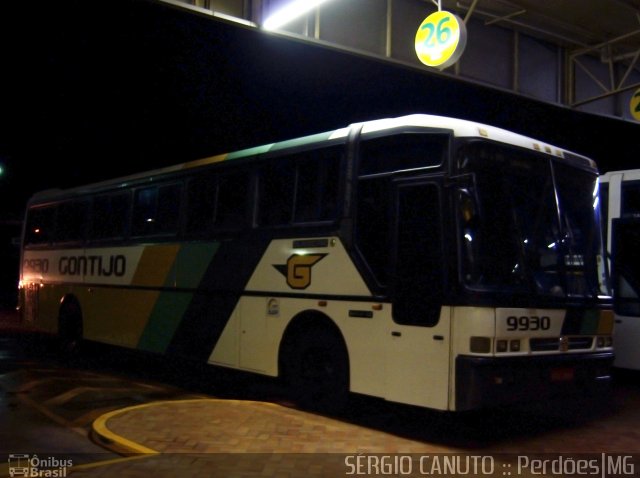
point(441, 39)
point(634, 105)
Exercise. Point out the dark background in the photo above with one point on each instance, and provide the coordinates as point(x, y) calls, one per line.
point(91, 90)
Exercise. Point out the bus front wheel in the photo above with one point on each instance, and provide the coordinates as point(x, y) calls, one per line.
point(318, 372)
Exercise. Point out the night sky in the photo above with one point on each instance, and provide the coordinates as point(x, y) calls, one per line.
point(94, 90)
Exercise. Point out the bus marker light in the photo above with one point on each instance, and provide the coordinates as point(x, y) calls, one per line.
point(501, 346)
point(322, 303)
point(514, 346)
point(376, 306)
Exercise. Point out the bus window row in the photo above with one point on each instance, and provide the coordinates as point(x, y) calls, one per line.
point(295, 189)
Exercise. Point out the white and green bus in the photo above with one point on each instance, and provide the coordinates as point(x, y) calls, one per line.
point(620, 192)
point(424, 260)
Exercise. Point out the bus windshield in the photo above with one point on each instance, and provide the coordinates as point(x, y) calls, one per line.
point(529, 224)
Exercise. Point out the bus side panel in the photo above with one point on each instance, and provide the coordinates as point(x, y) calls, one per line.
point(308, 266)
point(417, 362)
point(252, 339)
point(397, 362)
point(160, 298)
point(47, 305)
point(216, 295)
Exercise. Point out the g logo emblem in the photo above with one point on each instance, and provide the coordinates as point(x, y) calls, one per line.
point(297, 270)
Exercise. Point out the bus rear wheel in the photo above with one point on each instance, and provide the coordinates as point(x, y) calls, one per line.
point(318, 372)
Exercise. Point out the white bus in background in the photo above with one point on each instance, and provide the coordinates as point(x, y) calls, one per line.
point(620, 193)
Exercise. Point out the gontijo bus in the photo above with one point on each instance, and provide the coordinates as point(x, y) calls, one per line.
point(422, 259)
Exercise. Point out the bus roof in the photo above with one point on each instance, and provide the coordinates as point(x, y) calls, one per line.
point(459, 127)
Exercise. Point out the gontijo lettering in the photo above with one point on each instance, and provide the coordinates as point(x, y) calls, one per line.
point(36, 265)
point(115, 265)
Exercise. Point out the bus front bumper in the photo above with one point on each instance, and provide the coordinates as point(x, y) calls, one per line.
point(483, 382)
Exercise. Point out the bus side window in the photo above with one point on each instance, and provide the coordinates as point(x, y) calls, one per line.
point(317, 187)
point(156, 210)
point(234, 193)
point(110, 216)
point(630, 206)
point(71, 221)
point(402, 152)
point(40, 223)
point(276, 192)
point(201, 204)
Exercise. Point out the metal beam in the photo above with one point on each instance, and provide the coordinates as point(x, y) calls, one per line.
point(630, 68)
point(505, 17)
point(587, 49)
point(525, 26)
point(605, 95)
point(595, 79)
point(471, 10)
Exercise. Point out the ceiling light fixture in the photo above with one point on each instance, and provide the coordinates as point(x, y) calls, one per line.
point(290, 12)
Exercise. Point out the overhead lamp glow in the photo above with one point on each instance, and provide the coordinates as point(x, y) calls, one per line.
point(290, 12)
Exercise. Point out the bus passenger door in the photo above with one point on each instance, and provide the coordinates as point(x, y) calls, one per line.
point(419, 337)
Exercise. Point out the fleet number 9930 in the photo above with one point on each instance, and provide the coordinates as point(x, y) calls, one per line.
point(525, 322)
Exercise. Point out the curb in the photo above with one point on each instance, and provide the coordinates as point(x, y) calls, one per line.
point(115, 442)
point(123, 446)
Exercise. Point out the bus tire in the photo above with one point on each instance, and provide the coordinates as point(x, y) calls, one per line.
point(317, 371)
point(70, 330)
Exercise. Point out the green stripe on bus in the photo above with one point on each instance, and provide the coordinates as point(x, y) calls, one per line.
point(165, 318)
point(193, 260)
point(292, 143)
point(190, 265)
point(249, 152)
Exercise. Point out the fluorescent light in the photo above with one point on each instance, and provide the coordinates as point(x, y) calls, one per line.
point(291, 11)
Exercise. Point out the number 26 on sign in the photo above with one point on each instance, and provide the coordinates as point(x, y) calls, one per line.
point(440, 39)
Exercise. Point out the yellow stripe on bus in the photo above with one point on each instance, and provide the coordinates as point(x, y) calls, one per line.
point(154, 265)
